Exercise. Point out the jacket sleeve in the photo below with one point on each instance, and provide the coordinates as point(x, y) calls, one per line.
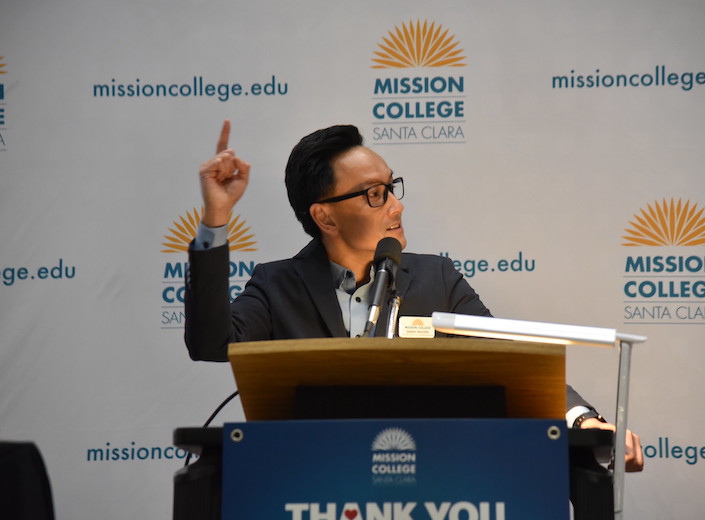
point(461, 296)
point(212, 321)
point(207, 304)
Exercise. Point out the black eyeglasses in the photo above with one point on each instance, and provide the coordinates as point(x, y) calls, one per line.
point(376, 195)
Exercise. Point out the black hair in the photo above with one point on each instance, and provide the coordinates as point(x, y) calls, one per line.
point(309, 174)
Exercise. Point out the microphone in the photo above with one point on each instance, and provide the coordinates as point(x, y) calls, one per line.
point(386, 261)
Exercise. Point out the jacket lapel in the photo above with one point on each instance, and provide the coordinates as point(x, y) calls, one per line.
point(314, 269)
point(403, 279)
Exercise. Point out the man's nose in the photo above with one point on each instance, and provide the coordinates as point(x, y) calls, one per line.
point(395, 205)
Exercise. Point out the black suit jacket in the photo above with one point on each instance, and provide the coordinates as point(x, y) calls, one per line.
point(295, 298)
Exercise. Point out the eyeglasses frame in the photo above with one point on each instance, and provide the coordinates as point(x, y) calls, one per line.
point(388, 188)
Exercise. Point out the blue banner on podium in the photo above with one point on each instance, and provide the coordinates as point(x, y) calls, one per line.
point(447, 469)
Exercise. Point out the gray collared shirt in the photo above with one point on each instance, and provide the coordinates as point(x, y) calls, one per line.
point(353, 300)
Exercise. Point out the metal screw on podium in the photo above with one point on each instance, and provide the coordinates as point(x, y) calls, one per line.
point(237, 435)
point(554, 433)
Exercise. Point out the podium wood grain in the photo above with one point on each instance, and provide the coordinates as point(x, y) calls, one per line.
point(268, 372)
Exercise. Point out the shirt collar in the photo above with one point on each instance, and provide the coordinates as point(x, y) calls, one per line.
point(344, 279)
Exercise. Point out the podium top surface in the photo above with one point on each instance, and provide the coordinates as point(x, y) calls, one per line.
point(267, 373)
point(445, 344)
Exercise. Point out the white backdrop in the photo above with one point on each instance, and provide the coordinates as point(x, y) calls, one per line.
point(533, 167)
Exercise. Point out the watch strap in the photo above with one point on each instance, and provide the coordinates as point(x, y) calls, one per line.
point(580, 419)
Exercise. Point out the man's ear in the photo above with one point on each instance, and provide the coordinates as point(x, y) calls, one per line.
point(323, 219)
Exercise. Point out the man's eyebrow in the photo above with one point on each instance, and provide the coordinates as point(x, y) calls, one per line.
point(369, 184)
point(389, 180)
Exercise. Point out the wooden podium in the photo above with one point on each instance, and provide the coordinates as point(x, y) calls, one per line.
point(268, 373)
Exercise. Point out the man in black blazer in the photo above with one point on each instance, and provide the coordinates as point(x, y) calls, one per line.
point(295, 298)
point(347, 199)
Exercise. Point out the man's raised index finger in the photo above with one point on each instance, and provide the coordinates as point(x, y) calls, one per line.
point(224, 136)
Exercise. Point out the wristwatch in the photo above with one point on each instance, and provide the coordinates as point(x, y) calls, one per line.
point(592, 414)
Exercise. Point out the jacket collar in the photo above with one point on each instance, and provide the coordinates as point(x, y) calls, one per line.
point(313, 267)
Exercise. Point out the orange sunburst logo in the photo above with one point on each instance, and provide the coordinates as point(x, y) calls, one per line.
point(2, 65)
point(668, 223)
point(418, 45)
point(184, 231)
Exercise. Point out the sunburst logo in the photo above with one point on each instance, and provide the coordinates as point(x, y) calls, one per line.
point(393, 439)
point(2, 65)
point(667, 223)
point(418, 44)
point(184, 231)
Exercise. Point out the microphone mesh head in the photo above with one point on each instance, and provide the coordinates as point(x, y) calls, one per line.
point(390, 248)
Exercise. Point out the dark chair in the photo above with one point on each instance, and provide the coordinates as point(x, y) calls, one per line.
point(25, 492)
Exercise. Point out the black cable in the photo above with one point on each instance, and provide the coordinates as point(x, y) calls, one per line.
point(216, 412)
point(222, 405)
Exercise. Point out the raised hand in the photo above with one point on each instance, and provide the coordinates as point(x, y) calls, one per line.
point(224, 179)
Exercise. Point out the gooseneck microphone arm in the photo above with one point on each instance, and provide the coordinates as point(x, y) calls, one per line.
point(394, 304)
